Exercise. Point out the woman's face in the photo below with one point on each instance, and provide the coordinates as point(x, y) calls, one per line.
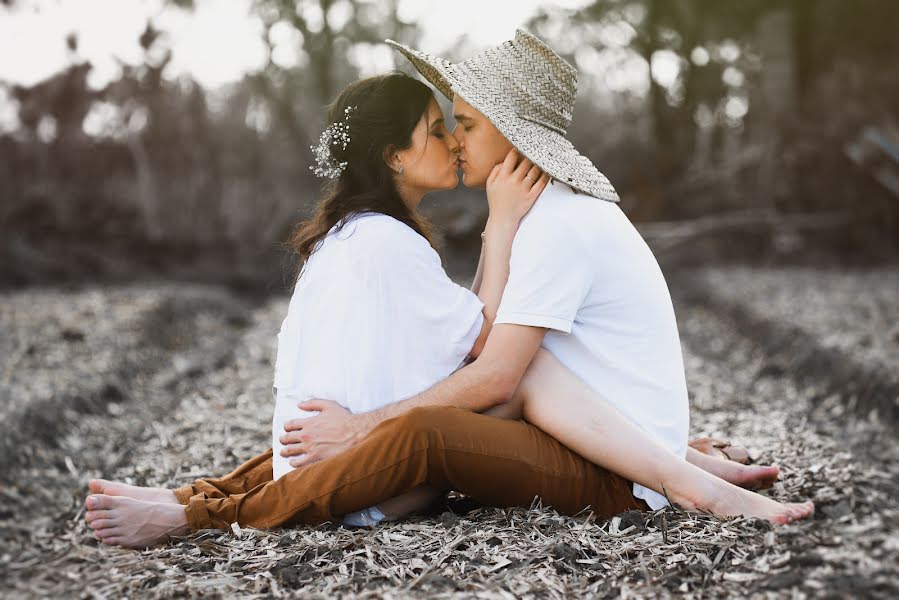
point(429, 164)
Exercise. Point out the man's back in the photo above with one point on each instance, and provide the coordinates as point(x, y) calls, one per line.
point(580, 269)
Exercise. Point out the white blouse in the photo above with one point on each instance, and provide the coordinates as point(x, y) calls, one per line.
point(373, 319)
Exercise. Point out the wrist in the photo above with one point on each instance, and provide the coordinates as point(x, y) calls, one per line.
point(365, 422)
point(501, 225)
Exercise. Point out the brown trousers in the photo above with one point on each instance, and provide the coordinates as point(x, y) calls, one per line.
point(496, 461)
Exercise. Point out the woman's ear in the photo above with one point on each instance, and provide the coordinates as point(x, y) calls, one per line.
point(392, 158)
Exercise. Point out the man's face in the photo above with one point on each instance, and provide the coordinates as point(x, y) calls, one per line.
point(481, 145)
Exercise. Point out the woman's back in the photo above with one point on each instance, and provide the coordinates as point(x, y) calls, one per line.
point(373, 319)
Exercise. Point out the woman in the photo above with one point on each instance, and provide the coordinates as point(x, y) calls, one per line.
point(372, 290)
point(373, 316)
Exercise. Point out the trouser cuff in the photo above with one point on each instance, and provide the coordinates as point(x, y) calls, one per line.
point(197, 514)
point(184, 493)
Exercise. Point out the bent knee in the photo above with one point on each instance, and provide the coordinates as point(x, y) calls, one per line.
point(425, 418)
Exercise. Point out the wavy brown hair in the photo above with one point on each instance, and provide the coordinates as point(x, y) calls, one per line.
point(387, 109)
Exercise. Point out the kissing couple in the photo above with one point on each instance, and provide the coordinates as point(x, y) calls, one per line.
point(558, 374)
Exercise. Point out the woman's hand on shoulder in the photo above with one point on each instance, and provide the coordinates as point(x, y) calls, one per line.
point(513, 186)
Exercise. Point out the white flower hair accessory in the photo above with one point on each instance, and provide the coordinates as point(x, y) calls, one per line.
point(335, 134)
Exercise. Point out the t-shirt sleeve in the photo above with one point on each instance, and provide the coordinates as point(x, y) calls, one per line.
point(548, 278)
point(439, 316)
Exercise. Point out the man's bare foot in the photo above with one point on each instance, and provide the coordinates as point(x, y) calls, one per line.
point(131, 523)
point(723, 498)
point(117, 488)
point(752, 477)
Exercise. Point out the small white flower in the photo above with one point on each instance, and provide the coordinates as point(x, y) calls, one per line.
point(335, 134)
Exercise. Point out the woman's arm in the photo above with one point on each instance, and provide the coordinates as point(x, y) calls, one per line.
point(511, 191)
point(479, 274)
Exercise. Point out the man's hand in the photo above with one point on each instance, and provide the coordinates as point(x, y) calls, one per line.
point(327, 434)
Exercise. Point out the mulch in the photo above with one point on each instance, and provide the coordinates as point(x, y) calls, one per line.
point(174, 424)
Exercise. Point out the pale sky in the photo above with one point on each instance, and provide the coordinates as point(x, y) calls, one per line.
point(219, 40)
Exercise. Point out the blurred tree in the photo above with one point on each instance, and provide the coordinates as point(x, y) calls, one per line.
point(309, 44)
point(63, 100)
point(722, 69)
point(690, 106)
point(679, 37)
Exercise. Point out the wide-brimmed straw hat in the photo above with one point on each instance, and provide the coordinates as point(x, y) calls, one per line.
point(527, 91)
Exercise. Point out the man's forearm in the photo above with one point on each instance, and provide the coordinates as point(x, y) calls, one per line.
point(475, 387)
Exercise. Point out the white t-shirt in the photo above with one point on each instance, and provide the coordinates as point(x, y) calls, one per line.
point(373, 319)
point(580, 269)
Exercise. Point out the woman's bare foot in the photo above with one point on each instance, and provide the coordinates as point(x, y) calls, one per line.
point(752, 477)
point(131, 523)
point(719, 449)
point(117, 488)
point(723, 498)
point(414, 500)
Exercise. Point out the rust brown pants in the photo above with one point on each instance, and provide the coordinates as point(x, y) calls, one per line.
point(496, 461)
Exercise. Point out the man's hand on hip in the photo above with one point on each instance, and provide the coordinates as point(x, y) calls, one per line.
point(327, 434)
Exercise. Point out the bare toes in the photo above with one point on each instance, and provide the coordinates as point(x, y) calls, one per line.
point(113, 541)
point(109, 532)
point(796, 511)
point(103, 524)
point(92, 515)
point(100, 502)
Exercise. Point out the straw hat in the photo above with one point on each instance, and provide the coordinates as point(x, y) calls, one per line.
point(527, 91)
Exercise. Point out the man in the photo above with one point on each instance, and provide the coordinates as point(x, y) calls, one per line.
point(582, 285)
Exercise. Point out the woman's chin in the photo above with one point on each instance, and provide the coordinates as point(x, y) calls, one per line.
point(451, 182)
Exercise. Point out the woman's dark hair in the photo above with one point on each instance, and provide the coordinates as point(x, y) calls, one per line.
point(387, 109)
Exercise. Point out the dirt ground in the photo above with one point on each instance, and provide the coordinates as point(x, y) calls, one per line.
point(158, 384)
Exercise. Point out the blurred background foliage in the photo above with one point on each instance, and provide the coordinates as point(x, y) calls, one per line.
point(748, 130)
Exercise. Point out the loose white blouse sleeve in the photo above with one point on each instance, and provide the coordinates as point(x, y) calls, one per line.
point(436, 315)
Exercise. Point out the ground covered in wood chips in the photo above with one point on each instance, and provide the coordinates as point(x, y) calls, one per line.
point(160, 384)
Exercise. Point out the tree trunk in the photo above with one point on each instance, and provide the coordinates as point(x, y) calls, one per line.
point(803, 48)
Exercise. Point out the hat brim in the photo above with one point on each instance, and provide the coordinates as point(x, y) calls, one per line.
point(542, 145)
point(432, 68)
